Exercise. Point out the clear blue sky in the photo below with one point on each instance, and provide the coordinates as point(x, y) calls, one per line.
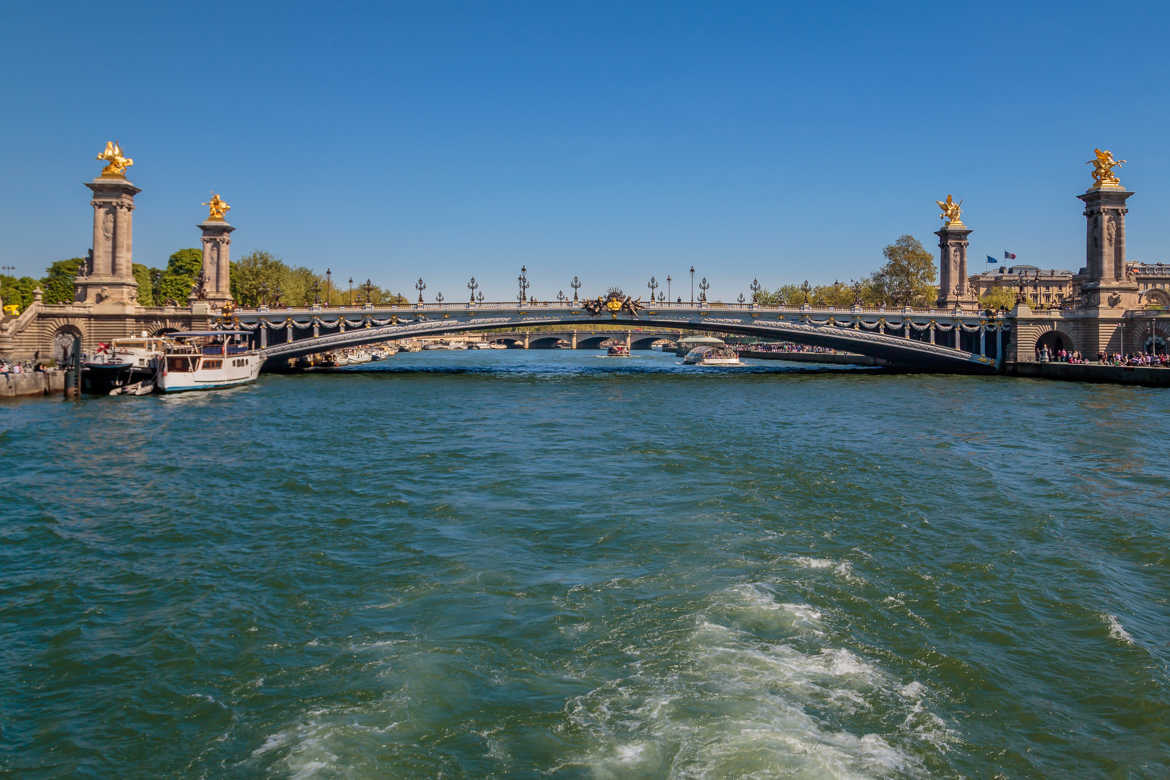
point(613, 140)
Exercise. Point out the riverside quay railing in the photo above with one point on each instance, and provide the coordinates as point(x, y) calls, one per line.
point(929, 339)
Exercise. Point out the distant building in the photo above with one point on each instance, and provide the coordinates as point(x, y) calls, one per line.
point(1041, 287)
point(1056, 287)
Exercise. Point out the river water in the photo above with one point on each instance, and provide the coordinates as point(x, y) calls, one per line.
point(533, 564)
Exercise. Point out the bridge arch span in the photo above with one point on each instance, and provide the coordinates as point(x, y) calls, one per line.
point(862, 336)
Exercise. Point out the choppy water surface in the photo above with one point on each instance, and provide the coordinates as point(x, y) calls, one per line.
point(546, 563)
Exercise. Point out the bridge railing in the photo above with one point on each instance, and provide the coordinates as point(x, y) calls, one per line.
point(551, 306)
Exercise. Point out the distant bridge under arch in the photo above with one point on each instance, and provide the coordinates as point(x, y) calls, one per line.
point(932, 340)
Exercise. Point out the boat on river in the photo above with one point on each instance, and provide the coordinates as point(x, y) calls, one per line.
point(618, 350)
point(712, 356)
point(122, 362)
point(207, 360)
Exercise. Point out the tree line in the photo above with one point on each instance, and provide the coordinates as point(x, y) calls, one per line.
point(258, 278)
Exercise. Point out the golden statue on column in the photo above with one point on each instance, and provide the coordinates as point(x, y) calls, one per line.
point(216, 208)
point(116, 164)
point(1103, 165)
point(950, 212)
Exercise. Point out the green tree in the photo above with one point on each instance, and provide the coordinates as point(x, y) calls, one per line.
point(58, 282)
point(17, 291)
point(145, 288)
point(998, 298)
point(907, 278)
point(259, 277)
point(178, 279)
point(836, 295)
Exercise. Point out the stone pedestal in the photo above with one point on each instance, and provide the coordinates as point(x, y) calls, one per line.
point(108, 277)
point(217, 245)
point(1109, 290)
point(954, 290)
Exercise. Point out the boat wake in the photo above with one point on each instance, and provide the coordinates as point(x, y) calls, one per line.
point(760, 692)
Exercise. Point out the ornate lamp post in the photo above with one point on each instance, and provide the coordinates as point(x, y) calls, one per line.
point(755, 288)
point(560, 296)
point(692, 285)
point(806, 288)
point(369, 288)
point(328, 285)
point(471, 285)
point(315, 288)
point(351, 291)
point(856, 293)
point(741, 299)
point(420, 286)
point(261, 293)
point(661, 296)
point(703, 288)
point(668, 285)
point(479, 297)
point(653, 285)
point(576, 285)
point(439, 298)
point(522, 280)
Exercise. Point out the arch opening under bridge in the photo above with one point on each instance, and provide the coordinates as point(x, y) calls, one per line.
point(964, 344)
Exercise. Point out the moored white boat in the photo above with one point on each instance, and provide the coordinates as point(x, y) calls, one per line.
point(207, 360)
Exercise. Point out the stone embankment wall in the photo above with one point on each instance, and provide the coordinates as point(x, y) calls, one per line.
point(32, 383)
point(1091, 372)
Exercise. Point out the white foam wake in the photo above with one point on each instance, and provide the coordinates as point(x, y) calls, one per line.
point(755, 689)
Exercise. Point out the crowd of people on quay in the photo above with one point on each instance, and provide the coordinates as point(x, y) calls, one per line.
point(27, 367)
point(784, 346)
point(1046, 355)
point(1135, 359)
point(1152, 360)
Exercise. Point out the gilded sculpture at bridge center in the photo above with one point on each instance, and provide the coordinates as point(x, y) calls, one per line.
point(950, 211)
point(216, 208)
point(1103, 164)
point(116, 164)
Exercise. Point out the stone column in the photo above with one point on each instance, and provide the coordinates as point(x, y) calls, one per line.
point(1108, 290)
point(108, 277)
point(1106, 273)
point(953, 286)
point(217, 245)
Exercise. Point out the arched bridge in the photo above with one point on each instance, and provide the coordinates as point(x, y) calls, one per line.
point(927, 339)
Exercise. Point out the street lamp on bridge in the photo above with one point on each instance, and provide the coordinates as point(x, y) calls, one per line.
point(351, 291)
point(369, 288)
point(522, 280)
point(479, 297)
point(668, 280)
point(560, 296)
point(741, 299)
point(755, 288)
point(806, 288)
point(576, 285)
point(653, 285)
point(315, 288)
point(703, 288)
point(471, 285)
point(328, 285)
point(692, 285)
point(420, 286)
point(439, 298)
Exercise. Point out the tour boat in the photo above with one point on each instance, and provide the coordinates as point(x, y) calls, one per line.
point(712, 356)
point(618, 350)
point(207, 360)
point(497, 345)
point(122, 362)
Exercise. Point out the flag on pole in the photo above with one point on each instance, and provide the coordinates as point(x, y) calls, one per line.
point(1009, 255)
point(991, 259)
